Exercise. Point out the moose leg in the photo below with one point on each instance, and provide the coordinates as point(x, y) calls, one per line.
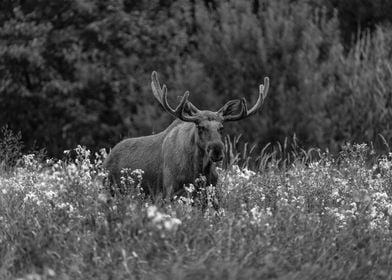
point(112, 182)
point(211, 175)
point(212, 179)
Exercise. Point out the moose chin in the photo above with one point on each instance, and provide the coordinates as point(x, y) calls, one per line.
point(190, 147)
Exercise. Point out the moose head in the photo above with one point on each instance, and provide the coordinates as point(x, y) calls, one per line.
point(209, 124)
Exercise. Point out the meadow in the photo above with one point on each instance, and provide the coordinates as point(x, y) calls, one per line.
point(310, 217)
point(78, 72)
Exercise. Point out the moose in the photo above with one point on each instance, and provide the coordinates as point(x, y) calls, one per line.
point(190, 147)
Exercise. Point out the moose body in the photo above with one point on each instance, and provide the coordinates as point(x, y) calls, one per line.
point(188, 148)
point(170, 158)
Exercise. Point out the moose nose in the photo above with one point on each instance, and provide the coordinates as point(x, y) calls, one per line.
point(215, 151)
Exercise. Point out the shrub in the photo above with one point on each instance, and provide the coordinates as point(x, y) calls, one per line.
point(11, 146)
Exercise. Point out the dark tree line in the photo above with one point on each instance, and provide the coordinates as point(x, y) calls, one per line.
point(78, 72)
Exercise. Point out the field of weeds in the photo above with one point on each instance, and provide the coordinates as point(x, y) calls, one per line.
point(328, 218)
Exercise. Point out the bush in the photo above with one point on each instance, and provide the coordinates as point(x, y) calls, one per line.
point(11, 146)
point(359, 104)
point(290, 42)
point(74, 73)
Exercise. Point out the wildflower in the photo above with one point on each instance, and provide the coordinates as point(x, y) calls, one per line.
point(335, 193)
point(185, 200)
point(66, 206)
point(32, 197)
point(389, 210)
point(31, 276)
point(131, 207)
point(50, 194)
point(50, 272)
point(283, 202)
point(373, 212)
point(102, 197)
point(190, 189)
point(171, 224)
point(353, 207)
point(236, 169)
point(256, 215)
point(138, 173)
point(161, 220)
point(248, 173)
point(151, 211)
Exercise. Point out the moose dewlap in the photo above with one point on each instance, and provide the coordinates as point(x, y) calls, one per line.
point(189, 147)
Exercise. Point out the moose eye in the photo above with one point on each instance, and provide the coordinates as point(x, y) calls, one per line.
point(201, 128)
point(220, 129)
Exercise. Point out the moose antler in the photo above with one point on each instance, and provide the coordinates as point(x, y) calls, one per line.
point(161, 95)
point(244, 113)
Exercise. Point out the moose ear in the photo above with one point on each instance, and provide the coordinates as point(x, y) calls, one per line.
point(230, 108)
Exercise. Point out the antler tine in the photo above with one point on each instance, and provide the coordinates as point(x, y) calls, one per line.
point(263, 90)
point(180, 107)
point(156, 88)
point(161, 95)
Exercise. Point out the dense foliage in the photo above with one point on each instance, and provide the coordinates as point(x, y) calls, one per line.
point(78, 72)
point(314, 219)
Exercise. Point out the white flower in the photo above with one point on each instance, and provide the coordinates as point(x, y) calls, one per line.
point(137, 172)
point(353, 206)
point(159, 217)
point(50, 194)
point(373, 212)
point(171, 223)
point(102, 197)
point(161, 220)
point(389, 209)
point(31, 197)
point(152, 211)
point(190, 189)
point(335, 193)
point(248, 173)
point(50, 272)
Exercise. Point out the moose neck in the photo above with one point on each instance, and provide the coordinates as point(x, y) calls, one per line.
point(202, 164)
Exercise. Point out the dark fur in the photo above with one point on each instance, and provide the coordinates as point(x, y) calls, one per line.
point(169, 159)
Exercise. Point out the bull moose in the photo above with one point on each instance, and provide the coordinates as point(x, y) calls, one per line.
point(188, 148)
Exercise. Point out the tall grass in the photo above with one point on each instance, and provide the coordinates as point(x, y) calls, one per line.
point(321, 218)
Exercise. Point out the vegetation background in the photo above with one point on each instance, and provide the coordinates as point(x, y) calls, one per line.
point(78, 71)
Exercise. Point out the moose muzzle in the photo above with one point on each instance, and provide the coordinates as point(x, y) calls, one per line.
point(215, 151)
